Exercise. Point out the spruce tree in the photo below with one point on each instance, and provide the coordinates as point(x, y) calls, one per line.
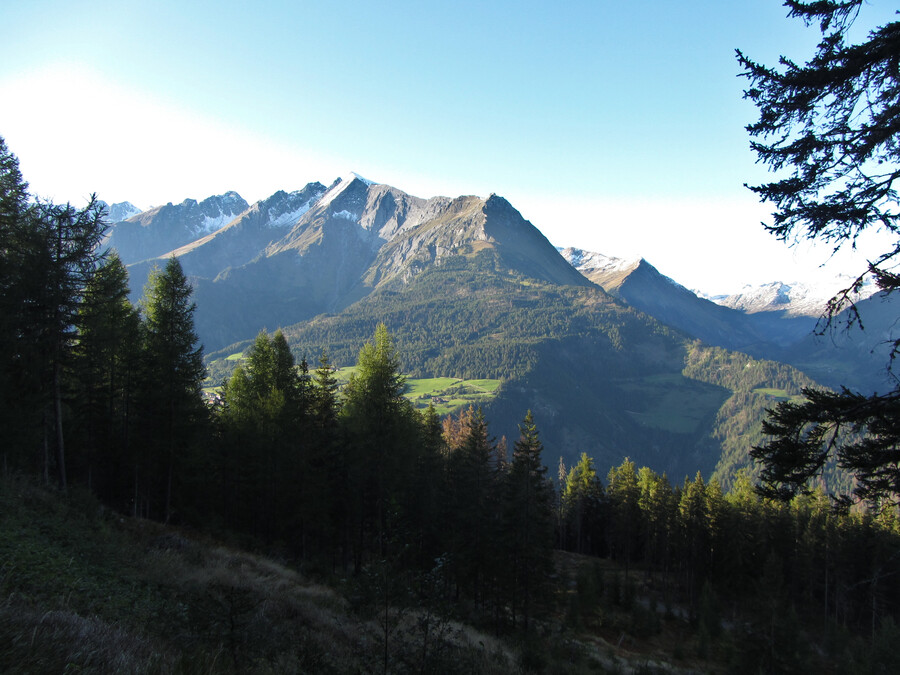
point(582, 498)
point(528, 520)
point(171, 403)
point(264, 417)
point(381, 428)
point(474, 522)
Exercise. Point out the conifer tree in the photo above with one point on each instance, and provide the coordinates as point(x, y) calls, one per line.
point(67, 254)
point(528, 519)
point(623, 496)
point(473, 527)
point(582, 500)
point(20, 409)
point(428, 489)
point(381, 431)
point(171, 404)
point(327, 462)
point(830, 129)
point(107, 353)
point(266, 412)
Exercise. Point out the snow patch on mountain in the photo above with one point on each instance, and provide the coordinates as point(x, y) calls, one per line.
point(334, 191)
point(210, 224)
point(116, 213)
point(588, 261)
point(346, 214)
point(342, 184)
point(289, 217)
point(795, 298)
point(368, 182)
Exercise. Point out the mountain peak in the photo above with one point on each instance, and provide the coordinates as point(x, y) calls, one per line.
point(120, 211)
point(795, 299)
point(589, 262)
point(355, 175)
point(341, 185)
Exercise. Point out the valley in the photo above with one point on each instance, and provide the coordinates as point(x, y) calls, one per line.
point(603, 352)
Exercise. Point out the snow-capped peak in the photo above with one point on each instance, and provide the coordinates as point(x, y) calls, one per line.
point(120, 211)
point(795, 298)
point(355, 175)
point(340, 185)
point(587, 261)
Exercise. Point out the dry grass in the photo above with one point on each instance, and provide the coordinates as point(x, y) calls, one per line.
point(60, 641)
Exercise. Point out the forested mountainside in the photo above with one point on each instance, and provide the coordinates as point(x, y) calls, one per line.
point(604, 378)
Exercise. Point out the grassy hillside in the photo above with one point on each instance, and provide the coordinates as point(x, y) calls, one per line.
point(88, 590)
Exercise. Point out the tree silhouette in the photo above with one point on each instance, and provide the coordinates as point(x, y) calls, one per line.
point(831, 127)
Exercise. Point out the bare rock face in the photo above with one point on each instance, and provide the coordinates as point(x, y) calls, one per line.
point(153, 233)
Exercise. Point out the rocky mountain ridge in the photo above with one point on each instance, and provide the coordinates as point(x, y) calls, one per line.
point(157, 231)
point(792, 299)
point(318, 250)
point(299, 254)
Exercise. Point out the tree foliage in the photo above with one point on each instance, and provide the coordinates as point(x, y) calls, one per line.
point(831, 127)
point(171, 405)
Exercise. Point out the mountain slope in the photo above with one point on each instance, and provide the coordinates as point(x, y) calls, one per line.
point(599, 376)
point(639, 284)
point(851, 353)
point(775, 321)
point(297, 255)
point(161, 229)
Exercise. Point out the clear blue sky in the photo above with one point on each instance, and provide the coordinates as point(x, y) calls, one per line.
point(613, 126)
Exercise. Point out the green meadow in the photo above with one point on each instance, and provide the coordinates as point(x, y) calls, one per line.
point(446, 394)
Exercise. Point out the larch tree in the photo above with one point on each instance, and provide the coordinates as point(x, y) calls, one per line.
point(19, 407)
point(66, 258)
point(105, 368)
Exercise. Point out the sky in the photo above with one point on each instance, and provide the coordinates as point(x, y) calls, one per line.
point(616, 127)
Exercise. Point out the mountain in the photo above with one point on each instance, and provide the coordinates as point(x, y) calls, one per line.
point(471, 289)
point(794, 299)
point(297, 255)
point(777, 321)
point(854, 350)
point(641, 285)
point(247, 235)
point(120, 211)
point(154, 232)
